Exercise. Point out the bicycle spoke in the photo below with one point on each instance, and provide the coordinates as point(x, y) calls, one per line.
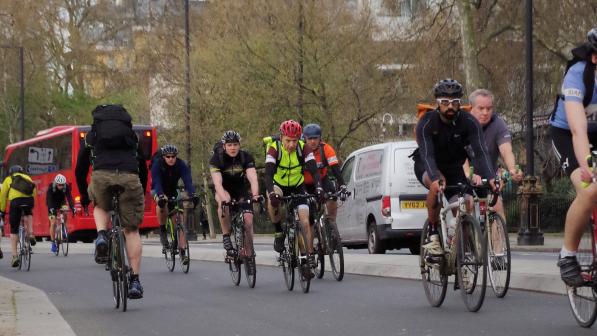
point(471, 264)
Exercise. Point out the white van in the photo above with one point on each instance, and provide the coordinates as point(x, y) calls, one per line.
point(386, 209)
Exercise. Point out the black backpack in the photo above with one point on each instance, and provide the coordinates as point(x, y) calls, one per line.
point(581, 53)
point(21, 184)
point(112, 128)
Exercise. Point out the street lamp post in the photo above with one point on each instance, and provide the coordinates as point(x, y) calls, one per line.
point(22, 89)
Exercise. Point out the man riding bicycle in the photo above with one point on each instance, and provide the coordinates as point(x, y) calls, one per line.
point(574, 133)
point(326, 159)
point(57, 195)
point(285, 162)
point(111, 148)
point(19, 189)
point(230, 168)
point(443, 135)
point(166, 171)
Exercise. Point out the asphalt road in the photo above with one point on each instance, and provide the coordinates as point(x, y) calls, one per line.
point(204, 302)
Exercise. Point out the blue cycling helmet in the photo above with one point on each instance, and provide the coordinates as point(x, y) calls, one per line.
point(312, 130)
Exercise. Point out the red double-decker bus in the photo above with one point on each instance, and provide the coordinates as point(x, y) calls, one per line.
point(54, 151)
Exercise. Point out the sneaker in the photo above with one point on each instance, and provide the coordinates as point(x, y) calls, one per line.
point(32, 241)
point(15, 261)
point(498, 263)
point(54, 248)
point(306, 269)
point(101, 248)
point(279, 242)
point(433, 247)
point(570, 271)
point(227, 243)
point(135, 290)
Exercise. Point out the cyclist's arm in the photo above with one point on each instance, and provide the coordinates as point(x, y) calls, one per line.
point(69, 197)
point(185, 174)
point(577, 121)
point(253, 181)
point(334, 164)
point(270, 169)
point(156, 178)
point(311, 167)
point(49, 197)
point(477, 141)
point(216, 177)
point(424, 133)
point(81, 170)
point(142, 169)
point(338, 174)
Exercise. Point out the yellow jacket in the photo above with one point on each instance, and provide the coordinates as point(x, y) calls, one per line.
point(8, 194)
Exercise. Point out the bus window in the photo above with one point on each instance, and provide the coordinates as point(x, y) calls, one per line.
point(145, 143)
point(44, 156)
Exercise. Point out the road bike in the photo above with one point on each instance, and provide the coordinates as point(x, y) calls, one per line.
point(24, 243)
point(118, 264)
point(61, 232)
point(176, 235)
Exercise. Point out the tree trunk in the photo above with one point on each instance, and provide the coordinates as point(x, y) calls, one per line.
point(469, 46)
point(300, 66)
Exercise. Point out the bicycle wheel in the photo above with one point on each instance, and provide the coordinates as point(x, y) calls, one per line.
point(123, 268)
point(250, 264)
point(336, 253)
point(113, 268)
point(57, 238)
point(288, 259)
point(498, 254)
point(319, 250)
point(20, 251)
point(184, 252)
point(583, 299)
point(26, 253)
point(471, 266)
point(435, 280)
point(64, 240)
point(234, 262)
point(169, 253)
point(304, 266)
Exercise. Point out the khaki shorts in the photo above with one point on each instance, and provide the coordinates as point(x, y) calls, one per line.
point(131, 201)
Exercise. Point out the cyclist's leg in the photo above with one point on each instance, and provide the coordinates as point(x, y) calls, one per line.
point(275, 216)
point(248, 218)
point(579, 211)
point(52, 219)
point(303, 211)
point(162, 214)
point(496, 236)
point(182, 242)
point(98, 193)
point(134, 248)
point(224, 219)
point(14, 219)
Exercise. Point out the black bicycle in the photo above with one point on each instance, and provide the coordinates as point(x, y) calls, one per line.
point(243, 251)
point(61, 231)
point(327, 239)
point(24, 243)
point(117, 263)
point(295, 245)
point(176, 235)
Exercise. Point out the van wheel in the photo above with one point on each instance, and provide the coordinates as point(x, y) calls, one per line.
point(374, 245)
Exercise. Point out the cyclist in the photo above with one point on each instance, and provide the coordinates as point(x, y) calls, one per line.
point(57, 195)
point(230, 168)
point(166, 171)
point(326, 158)
point(19, 189)
point(285, 162)
point(443, 135)
point(574, 132)
point(111, 147)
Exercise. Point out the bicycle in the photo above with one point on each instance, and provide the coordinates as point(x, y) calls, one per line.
point(175, 234)
point(294, 244)
point(24, 244)
point(241, 253)
point(463, 257)
point(583, 299)
point(327, 239)
point(61, 232)
point(117, 263)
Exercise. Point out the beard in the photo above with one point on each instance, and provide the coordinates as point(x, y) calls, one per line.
point(450, 114)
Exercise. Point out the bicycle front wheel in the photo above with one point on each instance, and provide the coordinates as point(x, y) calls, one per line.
point(336, 253)
point(304, 267)
point(471, 266)
point(57, 238)
point(64, 241)
point(170, 251)
point(583, 299)
point(185, 254)
point(319, 250)
point(435, 280)
point(498, 254)
point(250, 270)
point(288, 259)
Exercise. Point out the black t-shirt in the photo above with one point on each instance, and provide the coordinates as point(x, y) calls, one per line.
point(232, 168)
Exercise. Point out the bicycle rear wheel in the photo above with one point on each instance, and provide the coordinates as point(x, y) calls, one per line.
point(288, 258)
point(583, 299)
point(64, 240)
point(319, 250)
point(498, 254)
point(25, 253)
point(471, 266)
point(184, 252)
point(336, 252)
point(123, 269)
point(113, 268)
point(20, 252)
point(435, 281)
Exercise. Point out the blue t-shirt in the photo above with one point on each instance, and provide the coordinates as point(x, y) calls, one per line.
point(573, 89)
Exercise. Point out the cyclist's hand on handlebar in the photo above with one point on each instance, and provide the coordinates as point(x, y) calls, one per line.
point(493, 186)
point(585, 175)
point(162, 200)
point(436, 186)
point(274, 199)
point(516, 174)
point(319, 192)
point(257, 198)
point(476, 179)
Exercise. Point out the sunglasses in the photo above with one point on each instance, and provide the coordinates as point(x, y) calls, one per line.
point(170, 156)
point(447, 102)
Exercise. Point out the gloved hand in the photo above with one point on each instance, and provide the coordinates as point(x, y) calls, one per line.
point(274, 199)
point(343, 192)
point(162, 200)
point(319, 192)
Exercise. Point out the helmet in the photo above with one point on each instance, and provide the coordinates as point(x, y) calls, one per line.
point(312, 130)
point(592, 39)
point(60, 179)
point(169, 149)
point(231, 136)
point(447, 88)
point(15, 169)
point(291, 128)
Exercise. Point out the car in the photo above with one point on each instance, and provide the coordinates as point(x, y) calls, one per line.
point(386, 209)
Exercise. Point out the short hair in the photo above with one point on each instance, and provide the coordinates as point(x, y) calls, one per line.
point(479, 92)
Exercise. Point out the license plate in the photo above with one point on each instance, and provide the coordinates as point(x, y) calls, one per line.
point(413, 204)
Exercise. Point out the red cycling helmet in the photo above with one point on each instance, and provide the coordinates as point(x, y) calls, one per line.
point(291, 128)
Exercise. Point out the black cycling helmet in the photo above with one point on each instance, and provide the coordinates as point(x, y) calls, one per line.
point(448, 88)
point(169, 149)
point(231, 136)
point(15, 169)
point(592, 39)
point(311, 131)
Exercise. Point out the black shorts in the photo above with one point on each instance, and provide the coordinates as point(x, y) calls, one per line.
point(18, 206)
point(561, 141)
point(453, 176)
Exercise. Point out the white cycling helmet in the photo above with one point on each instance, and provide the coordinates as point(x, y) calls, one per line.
point(60, 179)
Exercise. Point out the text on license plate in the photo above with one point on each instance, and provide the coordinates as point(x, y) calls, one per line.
point(412, 204)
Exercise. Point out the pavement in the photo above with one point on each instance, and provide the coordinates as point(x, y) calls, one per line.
point(25, 309)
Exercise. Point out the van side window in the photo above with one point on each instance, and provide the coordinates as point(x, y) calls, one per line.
point(369, 164)
point(347, 170)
